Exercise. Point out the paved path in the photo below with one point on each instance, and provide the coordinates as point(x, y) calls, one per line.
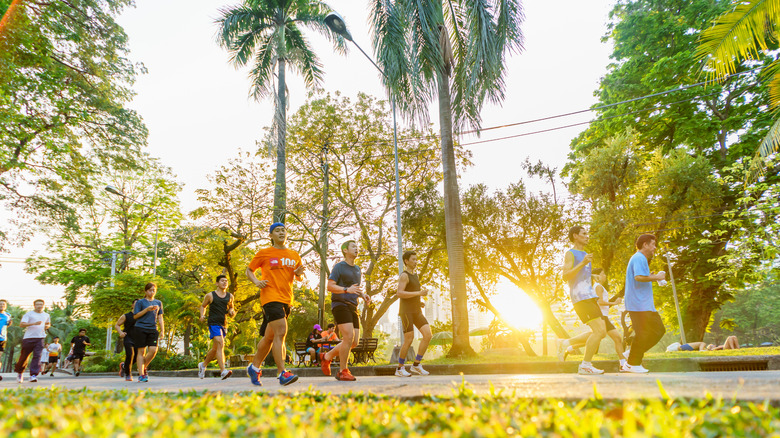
point(750, 385)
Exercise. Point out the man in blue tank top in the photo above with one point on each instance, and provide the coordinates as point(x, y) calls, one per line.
point(577, 271)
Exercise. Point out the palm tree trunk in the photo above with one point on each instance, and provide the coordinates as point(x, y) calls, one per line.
point(453, 223)
point(280, 191)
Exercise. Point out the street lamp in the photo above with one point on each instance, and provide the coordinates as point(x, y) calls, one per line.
point(338, 26)
point(115, 191)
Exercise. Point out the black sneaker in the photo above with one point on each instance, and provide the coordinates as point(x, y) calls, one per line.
point(78, 372)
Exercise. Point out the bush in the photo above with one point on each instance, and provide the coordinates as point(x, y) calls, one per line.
point(103, 362)
point(173, 362)
point(244, 349)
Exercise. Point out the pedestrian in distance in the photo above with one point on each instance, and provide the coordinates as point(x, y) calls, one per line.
point(35, 323)
point(5, 321)
point(79, 345)
point(646, 321)
point(53, 349)
point(604, 302)
point(125, 326)
point(148, 315)
point(328, 338)
point(279, 267)
point(577, 271)
point(312, 341)
point(345, 288)
point(410, 310)
point(220, 305)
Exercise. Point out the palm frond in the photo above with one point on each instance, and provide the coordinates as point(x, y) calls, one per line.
point(237, 20)
point(302, 59)
point(769, 145)
point(771, 74)
point(315, 20)
point(740, 34)
point(262, 72)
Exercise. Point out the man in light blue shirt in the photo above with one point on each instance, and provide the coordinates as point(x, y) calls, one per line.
point(645, 319)
point(5, 321)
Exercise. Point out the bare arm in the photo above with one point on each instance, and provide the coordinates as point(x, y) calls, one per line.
point(206, 301)
point(231, 306)
point(161, 323)
point(569, 269)
point(403, 280)
point(251, 276)
point(119, 322)
point(650, 278)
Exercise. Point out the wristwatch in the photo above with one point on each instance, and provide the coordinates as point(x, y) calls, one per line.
point(345, 289)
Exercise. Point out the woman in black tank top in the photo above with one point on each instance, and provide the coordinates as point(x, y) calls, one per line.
point(128, 324)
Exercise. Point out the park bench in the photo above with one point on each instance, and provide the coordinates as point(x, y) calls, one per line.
point(365, 350)
point(301, 357)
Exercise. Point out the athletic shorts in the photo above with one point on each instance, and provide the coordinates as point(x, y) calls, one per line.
point(588, 310)
point(686, 347)
point(54, 359)
point(411, 320)
point(145, 338)
point(345, 315)
point(608, 323)
point(217, 330)
point(79, 355)
point(2, 346)
point(273, 311)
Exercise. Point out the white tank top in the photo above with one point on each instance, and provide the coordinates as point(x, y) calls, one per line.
point(604, 297)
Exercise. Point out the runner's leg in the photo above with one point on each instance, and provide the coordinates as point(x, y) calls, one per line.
point(218, 346)
point(598, 331)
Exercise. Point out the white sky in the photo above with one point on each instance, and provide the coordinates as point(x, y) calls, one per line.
point(199, 115)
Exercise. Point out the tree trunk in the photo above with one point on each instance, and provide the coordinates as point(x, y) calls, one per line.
point(453, 223)
point(186, 339)
point(696, 315)
point(280, 190)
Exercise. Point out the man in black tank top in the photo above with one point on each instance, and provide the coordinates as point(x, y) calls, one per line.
point(127, 320)
point(410, 310)
point(220, 304)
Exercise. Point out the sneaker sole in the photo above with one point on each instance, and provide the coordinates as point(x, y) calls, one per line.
point(290, 382)
point(229, 373)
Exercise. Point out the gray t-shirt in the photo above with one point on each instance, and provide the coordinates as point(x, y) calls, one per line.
point(344, 275)
point(148, 321)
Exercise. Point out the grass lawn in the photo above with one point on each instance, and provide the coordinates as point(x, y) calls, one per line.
point(72, 413)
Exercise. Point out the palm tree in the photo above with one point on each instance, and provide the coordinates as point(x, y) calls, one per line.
point(455, 50)
point(268, 34)
point(747, 31)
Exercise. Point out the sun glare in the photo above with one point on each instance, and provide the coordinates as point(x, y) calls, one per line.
point(516, 307)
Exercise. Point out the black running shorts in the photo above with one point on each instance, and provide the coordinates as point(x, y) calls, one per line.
point(145, 338)
point(608, 323)
point(411, 320)
point(588, 310)
point(345, 315)
point(273, 311)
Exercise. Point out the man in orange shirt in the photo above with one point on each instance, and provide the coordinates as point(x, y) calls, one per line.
point(279, 266)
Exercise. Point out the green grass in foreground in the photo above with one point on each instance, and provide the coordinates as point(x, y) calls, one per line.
point(69, 413)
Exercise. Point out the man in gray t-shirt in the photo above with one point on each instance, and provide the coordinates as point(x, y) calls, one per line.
point(148, 315)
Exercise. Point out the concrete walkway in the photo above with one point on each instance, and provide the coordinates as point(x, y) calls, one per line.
point(751, 385)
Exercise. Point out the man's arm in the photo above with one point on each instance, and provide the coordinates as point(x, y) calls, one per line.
point(650, 278)
point(161, 323)
point(403, 280)
point(143, 312)
point(299, 271)
point(569, 269)
point(206, 301)
point(231, 306)
point(118, 325)
point(47, 324)
point(251, 276)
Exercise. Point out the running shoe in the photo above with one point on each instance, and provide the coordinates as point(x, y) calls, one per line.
point(128, 378)
point(121, 369)
point(418, 369)
point(287, 378)
point(637, 369)
point(254, 376)
point(588, 369)
point(34, 378)
point(19, 378)
point(78, 372)
point(401, 372)
point(324, 364)
point(52, 374)
point(143, 379)
point(225, 374)
point(624, 367)
point(345, 376)
point(201, 370)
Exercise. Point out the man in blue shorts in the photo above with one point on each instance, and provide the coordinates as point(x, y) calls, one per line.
point(220, 304)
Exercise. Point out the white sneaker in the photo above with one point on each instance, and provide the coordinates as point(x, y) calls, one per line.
point(624, 368)
point(201, 370)
point(625, 353)
point(636, 369)
point(562, 352)
point(19, 378)
point(225, 374)
point(401, 372)
point(589, 369)
point(418, 369)
point(34, 378)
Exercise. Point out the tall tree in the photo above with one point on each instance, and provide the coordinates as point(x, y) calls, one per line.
point(454, 50)
point(268, 34)
point(65, 85)
point(665, 163)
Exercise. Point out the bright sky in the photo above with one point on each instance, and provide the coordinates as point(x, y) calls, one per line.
point(199, 115)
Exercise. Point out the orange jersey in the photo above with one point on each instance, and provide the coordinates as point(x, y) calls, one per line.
point(277, 266)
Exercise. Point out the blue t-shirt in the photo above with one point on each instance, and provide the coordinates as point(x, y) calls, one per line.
point(639, 294)
point(580, 287)
point(344, 275)
point(149, 319)
point(5, 318)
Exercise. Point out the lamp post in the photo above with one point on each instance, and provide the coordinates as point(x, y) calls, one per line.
point(338, 26)
point(115, 191)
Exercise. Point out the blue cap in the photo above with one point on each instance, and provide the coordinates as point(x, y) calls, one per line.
point(274, 225)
